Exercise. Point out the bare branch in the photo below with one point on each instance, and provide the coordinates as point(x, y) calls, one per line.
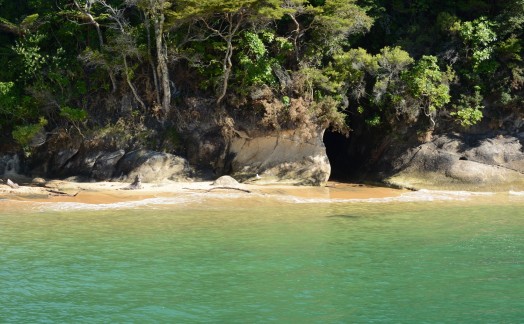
point(91, 19)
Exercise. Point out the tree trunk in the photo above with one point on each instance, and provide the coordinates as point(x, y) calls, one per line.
point(130, 84)
point(151, 55)
point(227, 64)
point(162, 62)
point(226, 68)
point(297, 35)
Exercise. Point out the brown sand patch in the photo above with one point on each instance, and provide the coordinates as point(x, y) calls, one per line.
point(334, 190)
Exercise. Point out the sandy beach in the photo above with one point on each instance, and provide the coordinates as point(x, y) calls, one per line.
point(112, 192)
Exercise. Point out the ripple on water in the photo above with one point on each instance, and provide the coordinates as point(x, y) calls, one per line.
point(256, 259)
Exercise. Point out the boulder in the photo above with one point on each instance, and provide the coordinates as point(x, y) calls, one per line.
point(471, 172)
point(105, 165)
point(103, 159)
point(225, 181)
point(280, 156)
point(63, 157)
point(81, 164)
point(152, 166)
point(505, 151)
point(38, 181)
point(463, 163)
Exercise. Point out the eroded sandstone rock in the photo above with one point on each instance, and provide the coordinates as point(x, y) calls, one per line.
point(225, 181)
point(283, 156)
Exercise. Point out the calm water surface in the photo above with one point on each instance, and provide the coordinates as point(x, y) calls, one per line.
point(239, 260)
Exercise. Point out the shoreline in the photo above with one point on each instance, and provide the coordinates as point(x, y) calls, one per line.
point(70, 195)
point(115, 192)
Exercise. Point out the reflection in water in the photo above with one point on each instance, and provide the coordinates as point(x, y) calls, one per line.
point(344, 216)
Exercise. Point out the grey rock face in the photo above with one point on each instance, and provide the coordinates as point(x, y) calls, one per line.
point(153, 166)
point(9, 165)
point(105, 165)
point(453, 162)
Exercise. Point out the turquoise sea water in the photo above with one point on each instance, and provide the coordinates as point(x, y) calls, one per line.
point(255, 260)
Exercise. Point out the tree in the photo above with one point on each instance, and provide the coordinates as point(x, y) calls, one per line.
point(226, 20)
point(85, 11)
point(390, 64)
point(300, 13)
point(124, 42)
point(429, 86)
point(511, 19)
point(478, 38)
point(468, 110)
point(155, 10)
point(322, 28)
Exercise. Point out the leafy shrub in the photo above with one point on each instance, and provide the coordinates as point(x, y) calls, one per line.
point(74, 115)
point(255, 65)
point(468, 110)
point(24, 135)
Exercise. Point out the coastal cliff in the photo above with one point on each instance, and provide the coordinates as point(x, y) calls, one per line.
point(261, 156)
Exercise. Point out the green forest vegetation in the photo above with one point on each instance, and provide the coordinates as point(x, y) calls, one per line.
point(81, 65)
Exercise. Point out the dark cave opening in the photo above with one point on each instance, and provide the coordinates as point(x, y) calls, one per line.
point(344, 164)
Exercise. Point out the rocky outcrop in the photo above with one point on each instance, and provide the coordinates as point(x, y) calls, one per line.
point(103, 162)
point(283, 156)
point(236, 143)
point(462, 162)
point(153, 166)
point(9, 165)
point(105, 165)
point(215, 141)
point(12, 167)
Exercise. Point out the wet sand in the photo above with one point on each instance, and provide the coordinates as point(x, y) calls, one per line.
point(337, 190)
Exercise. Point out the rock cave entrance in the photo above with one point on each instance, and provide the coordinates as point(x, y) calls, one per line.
point(339, 152)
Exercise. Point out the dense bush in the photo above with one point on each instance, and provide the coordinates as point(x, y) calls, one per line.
point(325, 62)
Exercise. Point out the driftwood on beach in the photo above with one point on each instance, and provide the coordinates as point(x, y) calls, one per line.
point(49, 191)
point(12, 184)
point(215, 188)
point(229, 188)
point(61, 193)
